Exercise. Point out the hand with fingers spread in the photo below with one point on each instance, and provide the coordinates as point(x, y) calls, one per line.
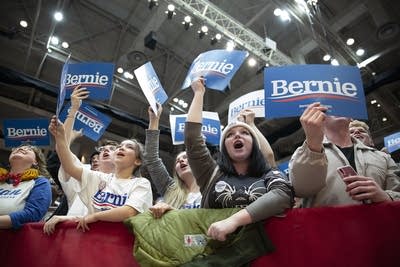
point(312, 121)
point(83, 223)
point(154, 117)
point(247, 116)
point(159, 209)
point(50, 225)
point(363, 188)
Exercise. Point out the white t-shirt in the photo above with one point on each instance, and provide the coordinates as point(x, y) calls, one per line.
point(13, 198)
point(100, 191)
point(193, 201)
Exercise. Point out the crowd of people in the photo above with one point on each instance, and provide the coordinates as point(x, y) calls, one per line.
point(242, 175)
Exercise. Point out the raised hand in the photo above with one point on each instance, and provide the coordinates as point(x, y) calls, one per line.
point(154, 117)
point(78, 94)
point(312, 121)
point(198, 86)
point(247, 116)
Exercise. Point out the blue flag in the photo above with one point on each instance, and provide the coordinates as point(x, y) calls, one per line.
point(93, 122)
point(33, 131)
point(392, 142)
point(95, 77)
point(290, 89)
point(216, 66)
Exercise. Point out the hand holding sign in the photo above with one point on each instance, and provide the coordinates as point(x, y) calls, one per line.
point(312, 121)
point(154, 117)
point(77, 96)
point(247, 116)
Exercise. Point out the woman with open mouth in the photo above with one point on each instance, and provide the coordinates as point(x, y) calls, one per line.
point(239, 178)
point(180, 190)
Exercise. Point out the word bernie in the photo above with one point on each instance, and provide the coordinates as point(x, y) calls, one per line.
point(221, 67)
point(204, 128)
point(394, 142)
point(281, 89)
point(258, 102)
point(90, 79)
point(32, 132)
point(87, 120)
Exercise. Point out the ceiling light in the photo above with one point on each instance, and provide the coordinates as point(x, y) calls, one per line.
point(172, 109)
point(128, 75)
point(175, 100)
point(170, 12)
point(185, 105)
point(284, 16)
point(203, 31)
point(334, 62)
point(216, 38)
point(350, 41)
point(187, 22)
point(277, 12)
point(120, 70)
point(153, 3)
point(180, 102)
point(384, 119)
point(327, 57)
point(54, 40)
point(378, 105)
point(252, 62)
point(23, 23)
point(49, 50)
point(373, 74)
point(373, 101)
point(58, 16)
point(65, 45)
point(360, 52)
point(230, 45)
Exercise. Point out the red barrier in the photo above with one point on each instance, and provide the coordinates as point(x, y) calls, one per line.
point(356, 236)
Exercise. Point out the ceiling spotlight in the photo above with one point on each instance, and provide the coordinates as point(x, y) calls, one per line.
point(128, 75)
point(172, 109)
point(284, 15)
point(327, 57)
point(120, 70)
point(252, 62)
point(360, 52)
point(277, 12)
point(187, 22)
point(373, 73)
point(49, 50)
point(230, 45)
point(180, 102)
point(203, 31)
point(185, 105)
point(334, 62)
point(23, 23)
point(350, 41)
point(373, 101)
point(384, 119)
point(171, 11)
point(152, 3)
point(216, 38)
point(58, 16)
point(54, 40)
point(65, 45)
point(175, 99)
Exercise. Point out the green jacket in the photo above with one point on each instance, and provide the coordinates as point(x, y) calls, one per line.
point(180, 236)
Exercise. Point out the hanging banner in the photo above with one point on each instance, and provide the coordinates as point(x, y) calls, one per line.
point(150, 85)
point(30, 131)
point(62, 92)
point(95, 77)
point(290, 89)
point(211, 128)
point(217, 67)
point(254, 101)
point(392, 142)
point(93, 122)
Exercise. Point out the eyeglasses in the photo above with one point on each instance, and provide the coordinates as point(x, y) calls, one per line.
point(104, 148)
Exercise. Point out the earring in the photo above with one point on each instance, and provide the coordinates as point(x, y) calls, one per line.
point(35, 165)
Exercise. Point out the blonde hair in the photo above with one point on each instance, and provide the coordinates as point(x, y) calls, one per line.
point(356, 123)
point(176, 194)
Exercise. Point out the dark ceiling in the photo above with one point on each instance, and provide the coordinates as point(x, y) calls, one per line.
point(114, 31)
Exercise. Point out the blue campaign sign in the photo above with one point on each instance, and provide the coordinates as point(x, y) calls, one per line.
point(31, 131)
point(93, 122)
point(217, 67)
point(392, 142)
point(290, 89)
point(284, 167)
point(211, 128)
point(61, 94)
point(150, 85)
point(95, 77)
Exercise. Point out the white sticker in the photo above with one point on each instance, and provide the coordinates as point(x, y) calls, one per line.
point(220, 186)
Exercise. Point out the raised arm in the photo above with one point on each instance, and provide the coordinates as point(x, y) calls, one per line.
point(152, 161)
point(64, 153)
point(196, 108)
point(247, 116)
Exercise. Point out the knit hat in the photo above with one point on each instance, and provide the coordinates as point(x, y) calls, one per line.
point(237, 124)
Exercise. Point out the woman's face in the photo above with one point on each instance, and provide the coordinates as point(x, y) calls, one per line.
point(126, 153)
point(238, 143)
point(181, 164)
point(23, 154)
